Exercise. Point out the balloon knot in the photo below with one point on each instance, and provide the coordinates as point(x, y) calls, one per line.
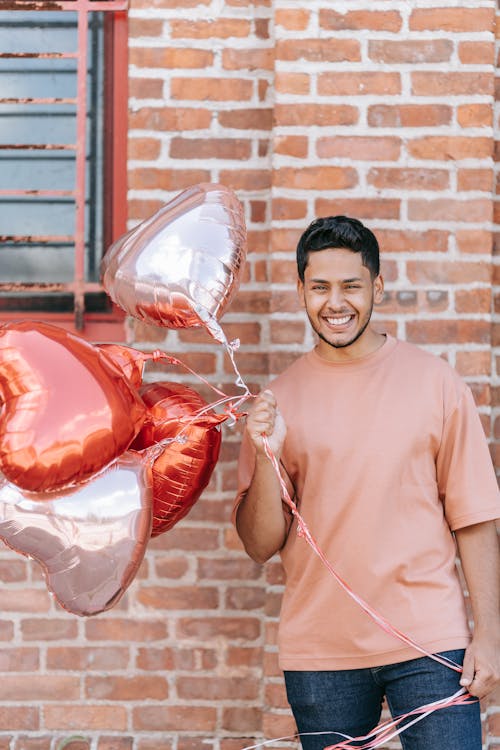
point(234, 345)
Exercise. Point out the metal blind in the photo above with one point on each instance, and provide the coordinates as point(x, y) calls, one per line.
point(52, 110)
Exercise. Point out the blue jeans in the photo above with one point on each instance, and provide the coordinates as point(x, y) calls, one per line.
point(349, 702)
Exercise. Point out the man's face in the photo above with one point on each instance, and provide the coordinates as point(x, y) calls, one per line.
point(338, 294)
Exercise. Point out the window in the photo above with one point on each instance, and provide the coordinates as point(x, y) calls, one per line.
point(63, 115)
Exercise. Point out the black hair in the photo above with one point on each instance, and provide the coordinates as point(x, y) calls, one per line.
point(339, 232)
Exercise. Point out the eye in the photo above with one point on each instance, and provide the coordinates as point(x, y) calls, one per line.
point(353, 286)
point(319, 287)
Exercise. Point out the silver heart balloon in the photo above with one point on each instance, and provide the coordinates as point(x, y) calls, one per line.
point(89, 541)
point(181, 267)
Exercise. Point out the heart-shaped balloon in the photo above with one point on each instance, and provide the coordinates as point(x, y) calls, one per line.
point(184, 466)
point(68, 411)
point(89, 542)
point(181, 267)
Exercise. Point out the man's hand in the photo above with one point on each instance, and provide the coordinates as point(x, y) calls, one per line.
point(481, 668)
point(265, 418)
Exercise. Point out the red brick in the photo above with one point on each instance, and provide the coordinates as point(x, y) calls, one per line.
point(475, 179)
point(316, 178)
point(405, 241)
point(174, 718)
point(473, 300)
point(287, 209)
point(369, 82)
point(210, 148)
point(211, 89)
point(292, 145)
point(185, 538)
point(242, 719)
point(180, 597)
point(256, 58)
point(246, 179)
point(145, 88)
point(292, 83)
point(452, 19)
point(170, 57)
point(409, 115)
point(241, 598)
point(163, 119)
point(409, 178)
point(48, 630)
point(247, 119)
point(115, 743)
point(476, 53)
point(360, 20)
point(72, 716)
point(447, 272)
point(287, 332)
point(171, 567)
point(136, 688)
point(174, 4)
point(316, 114)
point(146, 149)
point(475, 115)
point(362, 148)
point(415, 51)
point(19, 659)
point(116, 629)
point(12, 571)
point(145, 27)
point(450, 147)
point(447, 209)
point(87, 659)
point(474, 241)
point(227, 569)
point(24, 742)
point(292, 19)
point(363, 208)
point(13, 718)
point(473, 363)
point(24, 600)
point(222, 28)
point(448, 331)
point(319, 50)
point(206, 628)
point(39, 688)
point(217, 689)
point(147, 178)
point(439, 83)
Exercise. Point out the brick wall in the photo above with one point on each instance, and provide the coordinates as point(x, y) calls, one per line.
point(381, 109)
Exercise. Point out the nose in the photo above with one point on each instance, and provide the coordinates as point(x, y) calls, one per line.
point(336, 298)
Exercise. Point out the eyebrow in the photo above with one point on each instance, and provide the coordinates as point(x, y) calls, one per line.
point(343, 281)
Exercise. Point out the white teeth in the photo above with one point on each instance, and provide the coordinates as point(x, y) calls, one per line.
point(339, 321)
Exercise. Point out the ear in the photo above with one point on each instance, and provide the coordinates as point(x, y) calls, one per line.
point(378, 289)
point(300, 292)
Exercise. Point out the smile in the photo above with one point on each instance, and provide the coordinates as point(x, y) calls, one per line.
point(339, 321)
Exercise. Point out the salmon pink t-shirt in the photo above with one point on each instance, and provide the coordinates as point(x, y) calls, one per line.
point(385, 457)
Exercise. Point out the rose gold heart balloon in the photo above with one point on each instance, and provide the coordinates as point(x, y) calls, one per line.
point(68, 410)
point(180, 268)
point(89, 542)
point(184, 466)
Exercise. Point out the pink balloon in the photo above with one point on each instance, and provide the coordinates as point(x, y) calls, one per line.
point(89, 541)
point(180, 268)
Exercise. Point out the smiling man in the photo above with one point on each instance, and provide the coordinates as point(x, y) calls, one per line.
point(383, 452)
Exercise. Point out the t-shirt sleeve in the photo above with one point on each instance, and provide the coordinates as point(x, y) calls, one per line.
point(466, 478)
point(246, 465)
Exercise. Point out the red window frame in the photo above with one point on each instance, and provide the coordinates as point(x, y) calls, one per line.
point(92, 325)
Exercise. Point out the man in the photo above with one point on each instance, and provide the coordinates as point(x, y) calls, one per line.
point(383, 452)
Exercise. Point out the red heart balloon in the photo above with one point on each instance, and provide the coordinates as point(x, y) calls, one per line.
point(183, 469)
point(89, 541)
point(181, 267)
point(68, 410)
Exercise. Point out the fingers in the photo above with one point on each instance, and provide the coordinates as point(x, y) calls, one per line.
point(262, 416)
point(478, 676)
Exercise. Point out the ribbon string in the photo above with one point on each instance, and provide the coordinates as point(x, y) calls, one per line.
point(390, 729)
